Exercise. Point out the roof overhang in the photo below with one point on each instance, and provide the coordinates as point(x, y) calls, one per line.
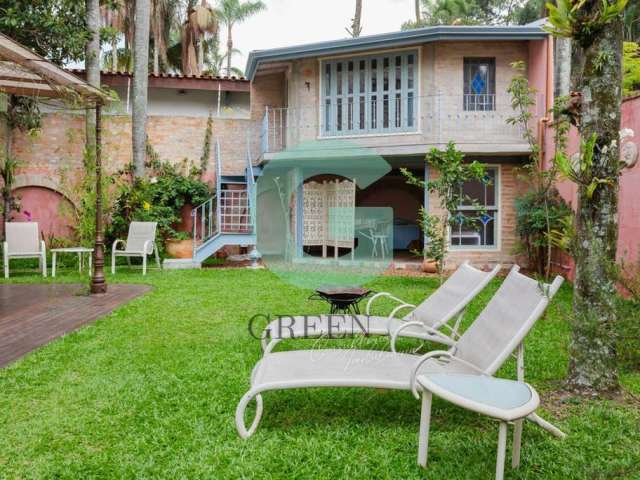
point(391, 40)
point(178, 82)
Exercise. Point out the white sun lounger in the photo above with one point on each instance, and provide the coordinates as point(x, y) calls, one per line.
point(426, 321)
point(497, 332)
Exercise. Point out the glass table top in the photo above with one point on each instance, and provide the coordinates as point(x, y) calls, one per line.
point(491, 391)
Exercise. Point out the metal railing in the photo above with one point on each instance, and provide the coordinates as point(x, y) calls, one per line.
point(251, 182)
point(205, 222)
point(229, 211)
point(235, 211)
point(468, 118)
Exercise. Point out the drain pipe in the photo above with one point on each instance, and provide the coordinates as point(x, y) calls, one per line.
point(548, 103)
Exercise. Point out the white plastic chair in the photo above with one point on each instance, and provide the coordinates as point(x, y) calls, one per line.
point(23, 241)
point(141, 241)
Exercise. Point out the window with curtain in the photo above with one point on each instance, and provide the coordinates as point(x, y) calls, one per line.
point(370, 94)
point(475, 223)
point(479, 84)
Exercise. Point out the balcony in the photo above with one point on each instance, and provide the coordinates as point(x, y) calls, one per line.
point(477, 123)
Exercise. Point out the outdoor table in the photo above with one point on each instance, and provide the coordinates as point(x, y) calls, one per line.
point(504, 400)
point(79, 250)
point(342, 299)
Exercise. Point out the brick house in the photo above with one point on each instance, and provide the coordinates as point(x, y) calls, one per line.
point(398, 95)
point(395, 95)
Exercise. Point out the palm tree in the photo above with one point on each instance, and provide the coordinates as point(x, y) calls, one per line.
point(140, 82)
point(356, 22)
point(92, 68)
point(117, 16)
point(201, 23)
point(164, 20)
point(231, 12)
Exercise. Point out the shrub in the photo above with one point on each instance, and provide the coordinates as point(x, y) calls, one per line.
point(631, 65)
point(157, 198)
point(538, 214)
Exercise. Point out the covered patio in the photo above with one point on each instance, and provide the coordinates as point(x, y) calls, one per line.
point(24, 73)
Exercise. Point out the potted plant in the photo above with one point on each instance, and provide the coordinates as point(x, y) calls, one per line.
point(180, 245)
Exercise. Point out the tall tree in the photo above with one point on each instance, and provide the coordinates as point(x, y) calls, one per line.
point(356, 22)
point(595, 29)
point(55, 29)
point(92, 68)
point(232, 12)
point(140, 83)
point(165, 18)
point(418, 12)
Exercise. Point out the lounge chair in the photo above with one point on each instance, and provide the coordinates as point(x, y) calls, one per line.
point(23, 241)
point(141, 241)
point(425, 322)
point(498, 331)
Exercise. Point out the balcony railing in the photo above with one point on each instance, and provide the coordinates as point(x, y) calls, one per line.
point(436, 119)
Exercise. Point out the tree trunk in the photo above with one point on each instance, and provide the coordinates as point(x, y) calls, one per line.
point(92, 67)
point(114, 56)
point(6, 189)
point(156, 57)
point(356, 28)
point(596, 75)
point(229, 48)
point(563, 67)
point(201, 54)
point(418, 15)
point(140, 82)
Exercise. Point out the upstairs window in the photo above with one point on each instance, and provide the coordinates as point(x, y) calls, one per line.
point(371, 94)
point(479, 84)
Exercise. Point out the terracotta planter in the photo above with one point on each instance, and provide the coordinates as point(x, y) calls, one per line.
point(179, 248)
point(429, 266)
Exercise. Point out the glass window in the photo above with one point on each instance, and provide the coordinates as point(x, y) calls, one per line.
point(475, 223)
point(370, 94)
point(479, 84)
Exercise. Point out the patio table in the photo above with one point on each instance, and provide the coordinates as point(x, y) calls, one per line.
point(504, 400)
point(79, 250)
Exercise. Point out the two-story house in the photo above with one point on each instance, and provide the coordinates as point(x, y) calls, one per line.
point(398, 95)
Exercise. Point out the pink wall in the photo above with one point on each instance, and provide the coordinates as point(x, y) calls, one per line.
point(629, 219)
point(629, 198)
point(537, 70)
point(50, 209)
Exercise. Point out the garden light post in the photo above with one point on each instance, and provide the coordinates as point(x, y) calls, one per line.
point(98, 283)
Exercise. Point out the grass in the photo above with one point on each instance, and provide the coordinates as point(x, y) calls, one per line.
point(150, 392)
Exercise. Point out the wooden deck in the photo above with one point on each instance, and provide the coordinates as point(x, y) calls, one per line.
point(33, 315)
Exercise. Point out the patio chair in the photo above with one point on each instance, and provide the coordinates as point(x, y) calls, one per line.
point(23, 241)
point(141, 241)
point(498, 331)
point(427, 321)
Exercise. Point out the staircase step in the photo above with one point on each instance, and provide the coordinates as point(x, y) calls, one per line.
point(233, 179)
point(181, 264)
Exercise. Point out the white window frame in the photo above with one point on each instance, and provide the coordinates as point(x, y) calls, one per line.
point(497, 220)
point(417, 50)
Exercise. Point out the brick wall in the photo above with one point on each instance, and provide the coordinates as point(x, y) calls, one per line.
point(440, 103)
point(59, 145)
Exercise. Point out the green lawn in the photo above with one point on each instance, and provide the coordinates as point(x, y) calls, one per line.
point(150, 392)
